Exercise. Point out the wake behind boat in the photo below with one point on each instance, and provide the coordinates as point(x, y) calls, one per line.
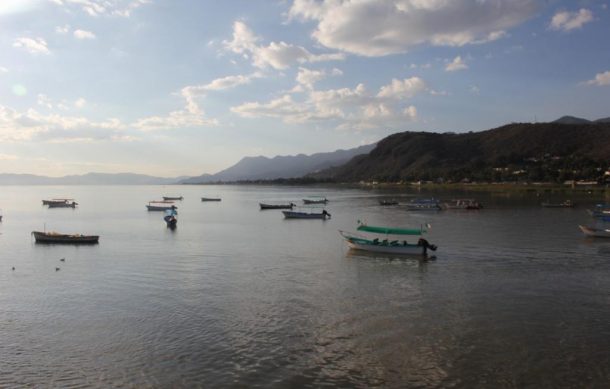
point(361, 242)
point(55, 237)
point(306, 215)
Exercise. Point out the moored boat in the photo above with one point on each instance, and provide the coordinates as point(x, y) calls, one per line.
point(388, 246)
point(55, 237)
point(161, 205)
point(264, 206)
point(600, 211)
point(595, 232)
point(424, 205)
point(315, 200)
point(306, 215)
point(171, 218)
point(211, 199)
point(169, 198)
point(66, 204)
point(388, 202)
point(462, 204)
point(56, 201)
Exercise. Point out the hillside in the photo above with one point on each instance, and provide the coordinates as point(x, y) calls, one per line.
point(263, 168)
point(542, 151)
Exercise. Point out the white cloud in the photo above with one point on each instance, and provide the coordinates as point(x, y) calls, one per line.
point(80, 102)
point(401, 89)
point(82, 34)
point(3, 70)
point(348, 108)
point(278, 55)
point(601, 79)
point(121, 8)
point(567, 21)
point(31, 125)
point(8, 157)
point(62, 29)
point(306, 78)
point(32, 45)
point(383, 27)
point(455, 65)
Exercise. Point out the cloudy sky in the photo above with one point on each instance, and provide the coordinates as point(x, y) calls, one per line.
point(183, 87)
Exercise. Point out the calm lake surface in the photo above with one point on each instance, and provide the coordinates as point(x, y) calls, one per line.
point(237, 297)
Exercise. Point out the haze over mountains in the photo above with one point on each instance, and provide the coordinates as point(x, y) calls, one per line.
point(401, 156)
point(290, 166)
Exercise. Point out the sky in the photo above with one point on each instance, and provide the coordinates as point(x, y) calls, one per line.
point(186, 87)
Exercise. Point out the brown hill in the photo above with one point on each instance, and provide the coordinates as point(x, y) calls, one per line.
point(546, 148)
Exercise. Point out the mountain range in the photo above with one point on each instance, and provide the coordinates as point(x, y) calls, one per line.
point(544, 151)
point(289, 166)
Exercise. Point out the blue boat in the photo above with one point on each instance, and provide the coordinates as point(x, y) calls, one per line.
point(171, 218)
point(431, 204)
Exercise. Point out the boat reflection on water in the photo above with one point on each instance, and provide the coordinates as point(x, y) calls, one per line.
point(387, 257)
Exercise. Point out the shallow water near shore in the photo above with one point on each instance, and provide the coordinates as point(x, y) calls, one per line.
point(515, 296)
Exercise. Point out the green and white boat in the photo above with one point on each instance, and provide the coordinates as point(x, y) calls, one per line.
point(388, 245)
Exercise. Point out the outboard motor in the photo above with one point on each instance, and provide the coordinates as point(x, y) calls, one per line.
point(325, 213)
point(424, 243)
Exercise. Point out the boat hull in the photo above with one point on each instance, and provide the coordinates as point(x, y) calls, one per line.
point(276, 206)
point(160, 207)
point(323, 201)
point(595, 232)
point(166, 198)
point(210, 199)
point(46, 237)
point(409, 249)
point(305, 215)
point(62, 205)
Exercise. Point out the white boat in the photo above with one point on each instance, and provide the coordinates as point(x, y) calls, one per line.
point(161, 205)
point(595, 232)
point(56, 201)
point(462, 204)
point(388, 246)
point(306, 215)
point(424, 205)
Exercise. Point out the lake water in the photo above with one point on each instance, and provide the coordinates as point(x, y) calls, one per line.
point(237, 297)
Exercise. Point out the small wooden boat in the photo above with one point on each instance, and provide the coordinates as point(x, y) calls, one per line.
point(463, 204)
point(55, 237)
point(170, 218)
point(306, 215)
point(66, 204)
point(388, 202)
point(424, 205)
point(211, 199)
point(169, 198)
point(276, 206)
point(161, 205)
point(565, 204)
point(388, 246)
point(315, 200)
point(56, 201)
point(595, 232)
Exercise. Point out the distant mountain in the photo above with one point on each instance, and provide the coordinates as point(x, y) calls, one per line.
point(543, 151)
point(603, 120)
point(87, 179)
point(263, 168)
point(571, 120)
